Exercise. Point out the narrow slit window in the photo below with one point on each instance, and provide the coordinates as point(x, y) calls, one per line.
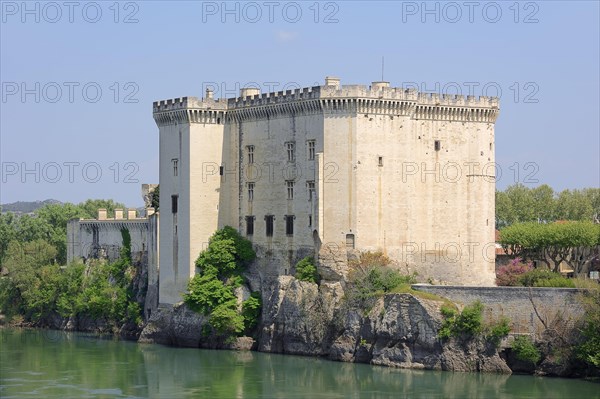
point(380, 161)
point(311, 150)
point(250, 154)
point(291, 151)
point(437, 145)
point(175, 163)
point(310, 186)
point(250, 191)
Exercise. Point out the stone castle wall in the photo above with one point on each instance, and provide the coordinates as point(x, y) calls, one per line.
point(393, 170)
point(516, 303)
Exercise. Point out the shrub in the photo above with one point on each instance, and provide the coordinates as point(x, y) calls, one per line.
point(589, 349)
point(307, 271)
point(210, 291)
point(466, 324)
point(251, 309)
point(525, 350)
point(545, 278)
point(498, 330)
point(510, 274)
point(371, 277)
point(225, 319)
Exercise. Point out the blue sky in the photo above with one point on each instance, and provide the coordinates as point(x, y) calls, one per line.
point(78, 80)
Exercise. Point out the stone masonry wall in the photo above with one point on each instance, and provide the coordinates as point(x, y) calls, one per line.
point(516, 303)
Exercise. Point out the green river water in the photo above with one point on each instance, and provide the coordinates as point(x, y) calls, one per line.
point(55, 364)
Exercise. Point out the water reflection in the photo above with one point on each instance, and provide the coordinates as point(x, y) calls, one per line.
point(68, 365)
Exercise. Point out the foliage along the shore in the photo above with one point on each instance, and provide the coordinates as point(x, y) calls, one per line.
point(211, 290)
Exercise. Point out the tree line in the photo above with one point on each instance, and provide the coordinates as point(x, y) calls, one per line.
point(519, 204)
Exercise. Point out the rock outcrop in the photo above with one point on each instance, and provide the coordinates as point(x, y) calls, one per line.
point(176, 325)
point(303, 318)
point(297, 316)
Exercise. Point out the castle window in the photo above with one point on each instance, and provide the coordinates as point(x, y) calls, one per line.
point(250, 154)
point(309, 220)
point(311, 149)
point(269, 225)
point(250, 191)
point(249, 225)
point(174, 203)
point(289, 225)
point(290, 189)
point(310, 186)
point(349, 241)
point(380, 161)
point(291, 151)
point(437, 145)
point(175, 163)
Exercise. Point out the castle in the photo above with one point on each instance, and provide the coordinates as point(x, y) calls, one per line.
point(327, 171)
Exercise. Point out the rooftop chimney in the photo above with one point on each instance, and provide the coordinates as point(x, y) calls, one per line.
point(118, 213)
point(332, 81)
point(102, 214)
point(209, 93)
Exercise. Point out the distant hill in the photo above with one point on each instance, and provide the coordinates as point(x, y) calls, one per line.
point(27, 207)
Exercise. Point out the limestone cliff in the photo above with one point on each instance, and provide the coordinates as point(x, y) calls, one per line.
point(305, 319)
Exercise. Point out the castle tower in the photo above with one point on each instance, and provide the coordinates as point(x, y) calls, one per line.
point(328, 171)
point(191, 146)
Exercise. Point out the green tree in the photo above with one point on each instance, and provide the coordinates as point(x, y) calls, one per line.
point(7, 233)
point(574, 205)
point(306, 270)
point(571, 242)
point(544, 203)
point(155, 198)
point(210, 291)
point(518, 204)
point(593, 196)
point(522, 203)
point(505, 215)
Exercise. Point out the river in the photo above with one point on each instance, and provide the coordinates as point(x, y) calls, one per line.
point(56, 364)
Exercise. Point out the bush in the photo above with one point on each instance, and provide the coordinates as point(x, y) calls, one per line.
point(498, 330)
point(545, 278)
point(210, 291)
point(589, 349)
point(225, 319)
point(525, 350)
point(371, 277)
point(510, 274)
point(251, 309)
point(307, 271)
point(466, 324)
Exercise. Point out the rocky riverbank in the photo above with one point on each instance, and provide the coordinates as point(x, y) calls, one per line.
point(303, 318)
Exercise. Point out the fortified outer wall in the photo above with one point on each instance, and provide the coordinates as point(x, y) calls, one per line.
point(102, 238)
point(516, 303)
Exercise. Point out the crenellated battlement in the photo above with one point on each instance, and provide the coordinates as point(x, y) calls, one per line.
point(379, 98)
point(188, 102)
